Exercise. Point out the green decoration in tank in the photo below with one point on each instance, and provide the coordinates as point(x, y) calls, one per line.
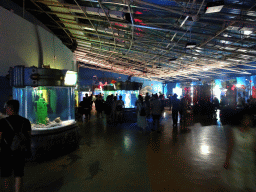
point(41, 110)
point(53, 100)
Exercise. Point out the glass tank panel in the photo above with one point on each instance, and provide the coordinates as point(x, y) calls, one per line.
point(46, 106)
point(81, 94)
point(107, 93)
point(129, 97)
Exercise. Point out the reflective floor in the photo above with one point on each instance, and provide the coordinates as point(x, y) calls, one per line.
point(122, 158)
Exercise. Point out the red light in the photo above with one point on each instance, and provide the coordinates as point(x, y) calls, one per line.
point(138, 13)
point(120, 25)
point(138, 20)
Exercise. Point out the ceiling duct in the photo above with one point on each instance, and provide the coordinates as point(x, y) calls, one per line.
point(101, 28)
point(99, 12)
point(110, 31)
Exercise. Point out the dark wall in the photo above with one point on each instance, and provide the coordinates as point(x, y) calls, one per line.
point(5, 91)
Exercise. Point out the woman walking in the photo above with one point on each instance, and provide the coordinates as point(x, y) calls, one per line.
point(240, 158)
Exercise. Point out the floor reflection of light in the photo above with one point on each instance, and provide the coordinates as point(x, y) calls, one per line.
point(205, 149)
point(127, 142)
point(218, 118)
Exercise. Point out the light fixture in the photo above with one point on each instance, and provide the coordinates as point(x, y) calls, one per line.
point(173, 36)
point(70, 78)
point(213, 7)
point(190, 45)
point(247, 31)
point(184, 21)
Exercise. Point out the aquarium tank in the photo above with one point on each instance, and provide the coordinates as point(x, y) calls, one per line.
point(107, 93)
point(45, 106)
point(129, 97)
point(81, 94)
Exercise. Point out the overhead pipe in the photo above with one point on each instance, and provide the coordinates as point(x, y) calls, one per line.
point(33, 1)
point(208, 47)
point(87, 19)
point(202, 56)
point(114, 61)
point(162, 8)
point(104, 11)
point(219, 32)
point(157, 28)
point(129, 64)
point(188, 72)
point(131, 42)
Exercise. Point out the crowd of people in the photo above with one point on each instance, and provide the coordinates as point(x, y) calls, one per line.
point(112, 107)
point(240, 158)
point(149, 107)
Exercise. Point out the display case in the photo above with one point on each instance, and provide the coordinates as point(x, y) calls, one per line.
point(129, 97)
point(128, 90)
point(46, 107)
point(81, 94)
point(107, 93)
point(47, 100)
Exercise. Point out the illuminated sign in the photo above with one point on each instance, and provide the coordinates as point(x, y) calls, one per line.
point(70, 78)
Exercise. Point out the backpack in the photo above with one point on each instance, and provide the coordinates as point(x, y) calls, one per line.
point(19, 140)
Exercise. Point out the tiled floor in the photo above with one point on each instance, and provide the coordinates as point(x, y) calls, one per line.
point(121, 158)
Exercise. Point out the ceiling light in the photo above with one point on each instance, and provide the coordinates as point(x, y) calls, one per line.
point(184, 21)
point(190, 45)
point(226, 35)
point(242, 50)
point(247, 32)
point(173, 36)
point(213, 7)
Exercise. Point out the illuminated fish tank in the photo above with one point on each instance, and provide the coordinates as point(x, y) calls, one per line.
point(46, 106)
point(129, 97)
point(107, 93)
point(81, 94)
point(128, 90)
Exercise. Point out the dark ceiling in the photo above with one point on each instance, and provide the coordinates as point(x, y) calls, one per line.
point(148, 38)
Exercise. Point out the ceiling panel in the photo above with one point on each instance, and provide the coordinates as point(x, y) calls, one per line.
point(148, 38)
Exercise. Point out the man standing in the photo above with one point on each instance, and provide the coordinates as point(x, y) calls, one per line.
point(99, 105)
point(86, 106)
point(119, 109)
point(156, 108)
point(13, 158)
point(175, 110)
